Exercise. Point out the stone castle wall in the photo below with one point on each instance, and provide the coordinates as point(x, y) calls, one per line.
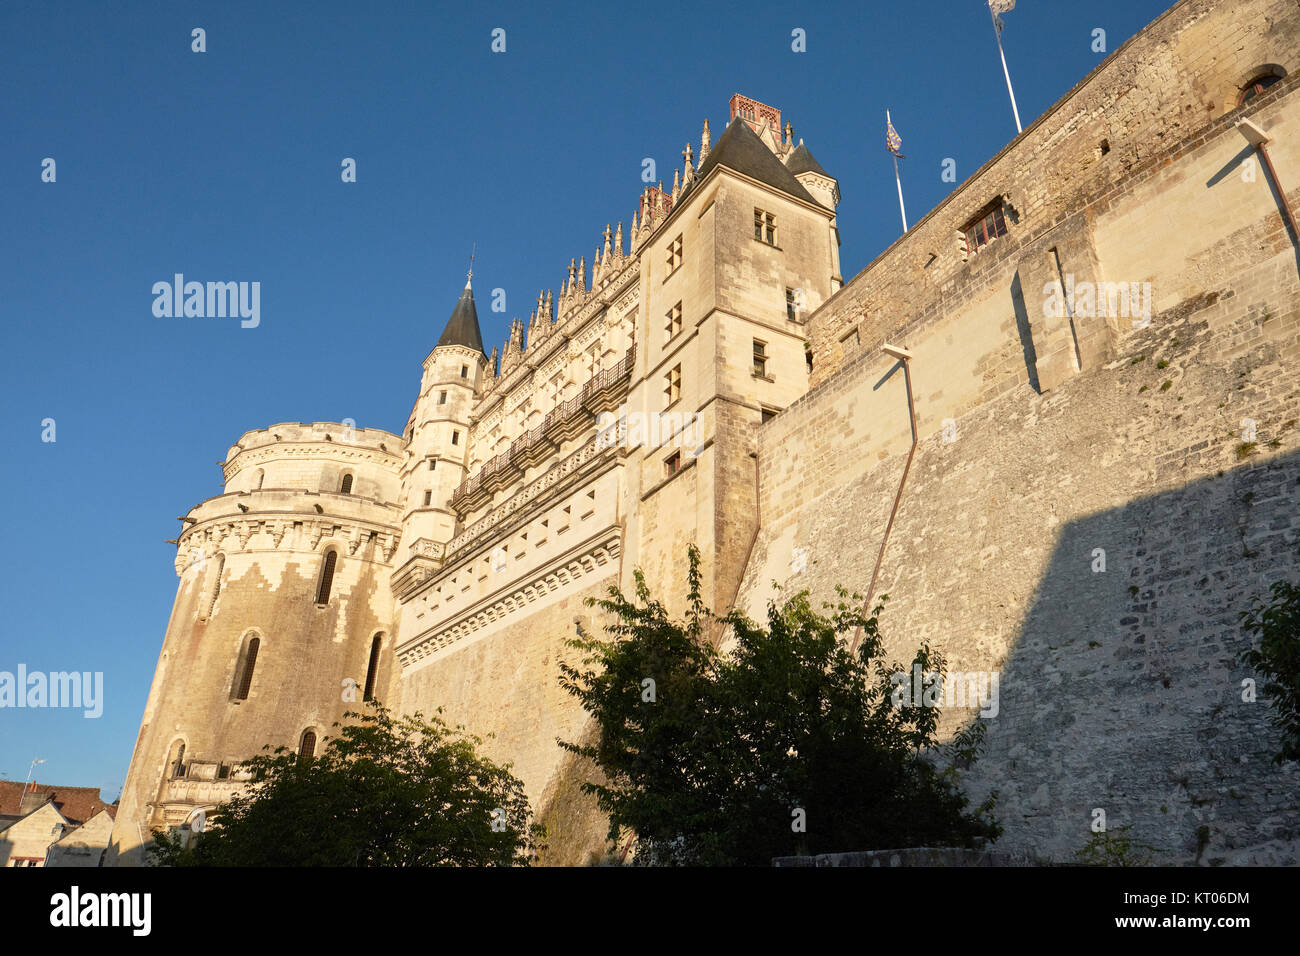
point(1119, 689)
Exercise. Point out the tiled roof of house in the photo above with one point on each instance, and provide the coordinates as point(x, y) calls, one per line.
point(77, 804)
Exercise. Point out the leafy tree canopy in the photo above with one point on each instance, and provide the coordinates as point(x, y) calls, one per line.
point(1276, 624)
point(789, 744)
point(386, 791)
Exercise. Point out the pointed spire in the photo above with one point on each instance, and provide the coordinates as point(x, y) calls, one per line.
point(689, 176)
point(704, 143)
point(462, 327)
point(676, 184)
point(582, 274)
point(550, 315)
point(608, 248)
point(618, 241)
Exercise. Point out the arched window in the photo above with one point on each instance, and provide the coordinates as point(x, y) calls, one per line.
point(326, 577)
point(176, 760)
point(346, 487)
point(307, 746)
point(1257, 86)
point(249, 661)
point(372, 671)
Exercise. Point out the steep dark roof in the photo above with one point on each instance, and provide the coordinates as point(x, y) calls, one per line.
point(739, 148)
point(462, 327)
point(801, 161)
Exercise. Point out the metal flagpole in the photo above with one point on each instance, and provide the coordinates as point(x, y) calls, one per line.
point(997, 32)
point(902, 211)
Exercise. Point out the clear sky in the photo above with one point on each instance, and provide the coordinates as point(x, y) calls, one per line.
point(225, 166)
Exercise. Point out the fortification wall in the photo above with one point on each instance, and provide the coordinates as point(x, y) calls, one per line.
point(1119, 689)
point(504, 686)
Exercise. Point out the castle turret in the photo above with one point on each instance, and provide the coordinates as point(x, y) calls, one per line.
point(282, 620)
point(437, 433)
point(824, 188)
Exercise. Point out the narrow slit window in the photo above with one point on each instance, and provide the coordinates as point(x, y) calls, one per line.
point(307, 746)
point(250, 663)
point(372, 669)
point(346, 487)
point(326, 577)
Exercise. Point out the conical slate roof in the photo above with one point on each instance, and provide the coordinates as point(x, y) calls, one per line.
point(462, 327)
point(739, 148)
point(801, 161)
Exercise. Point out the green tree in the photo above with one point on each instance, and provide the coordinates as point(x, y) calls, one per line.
point(1277, 626)
point(386, 791)
point(1114, 849)
point(789, 744)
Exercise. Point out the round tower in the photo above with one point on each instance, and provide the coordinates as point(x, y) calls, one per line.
point(283, 618)
point(437, 433)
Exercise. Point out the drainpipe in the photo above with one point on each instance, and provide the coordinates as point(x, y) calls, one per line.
point(904, 356)
point(1259, 139)
point(753, 538)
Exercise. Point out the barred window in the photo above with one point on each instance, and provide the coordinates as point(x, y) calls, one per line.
point(346, 487)
point(326, 577)
point(250, 663)
point(307, 746)
point(372, 670)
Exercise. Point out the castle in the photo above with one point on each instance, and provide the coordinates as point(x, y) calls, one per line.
point(1093, 485)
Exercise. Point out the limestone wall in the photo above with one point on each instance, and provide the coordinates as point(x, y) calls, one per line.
point(1119, 689)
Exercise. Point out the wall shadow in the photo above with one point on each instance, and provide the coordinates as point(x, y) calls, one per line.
point(1123, 690)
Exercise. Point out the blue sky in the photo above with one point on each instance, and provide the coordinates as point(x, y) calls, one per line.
point(225, 165)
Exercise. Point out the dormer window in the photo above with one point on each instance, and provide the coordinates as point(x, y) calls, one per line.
point(990, 224)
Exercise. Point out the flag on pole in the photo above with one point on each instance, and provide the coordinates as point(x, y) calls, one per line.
point(996, 7)
point(999, 7)
point(892, 140)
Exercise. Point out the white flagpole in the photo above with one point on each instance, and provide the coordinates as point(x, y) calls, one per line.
point(998, 33)
point(902, 211)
